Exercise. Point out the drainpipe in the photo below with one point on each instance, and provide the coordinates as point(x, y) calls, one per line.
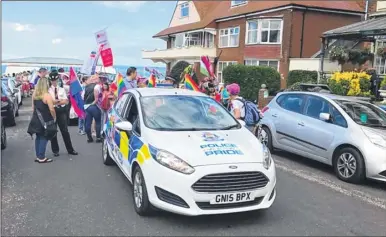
point(366, 9)
point(302, 34)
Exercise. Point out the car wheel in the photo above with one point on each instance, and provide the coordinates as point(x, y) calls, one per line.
point(3, 137)
point(349, 165)
point(10, 120)
point(266, 137)
point(140, 198)
point(107, 160)
point(17, 111)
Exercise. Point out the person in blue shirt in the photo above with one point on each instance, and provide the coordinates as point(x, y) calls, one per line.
point(131, 79)
point(41, 73)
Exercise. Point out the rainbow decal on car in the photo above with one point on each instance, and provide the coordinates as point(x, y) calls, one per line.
point(139, 151)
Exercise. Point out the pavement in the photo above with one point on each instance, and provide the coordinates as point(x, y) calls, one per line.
point(78, 195)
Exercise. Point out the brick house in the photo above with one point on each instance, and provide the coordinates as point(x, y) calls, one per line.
point(251, 32)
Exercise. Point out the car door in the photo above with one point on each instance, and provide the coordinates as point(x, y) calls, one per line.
point(317, 135)
point(112, 133)
point(289, 108)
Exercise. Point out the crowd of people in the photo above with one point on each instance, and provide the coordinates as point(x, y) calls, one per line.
point(51, 106)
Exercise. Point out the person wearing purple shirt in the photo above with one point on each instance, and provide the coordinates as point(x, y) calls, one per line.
point(131, 79)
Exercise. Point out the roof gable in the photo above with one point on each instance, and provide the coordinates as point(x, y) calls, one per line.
point(192, 17)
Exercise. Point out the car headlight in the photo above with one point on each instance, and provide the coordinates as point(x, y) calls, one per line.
point(267, 158)
point(375, 138)
point(171, 161)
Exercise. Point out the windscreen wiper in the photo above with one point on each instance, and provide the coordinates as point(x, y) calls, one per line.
point(230, 127)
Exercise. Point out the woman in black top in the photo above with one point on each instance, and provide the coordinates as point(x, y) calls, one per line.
point(43, 102)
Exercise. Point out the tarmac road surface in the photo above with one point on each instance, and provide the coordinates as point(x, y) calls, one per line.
point(78, 195)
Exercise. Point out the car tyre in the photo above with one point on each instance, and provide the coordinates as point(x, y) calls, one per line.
point(10, 120)
point(107, 160)
point(269, 138)
point(3, 136)
point(349, 165)
point(141, 201)
point(17, 111)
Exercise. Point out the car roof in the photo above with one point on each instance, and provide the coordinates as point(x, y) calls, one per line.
point(165, 91)
point(329, 96)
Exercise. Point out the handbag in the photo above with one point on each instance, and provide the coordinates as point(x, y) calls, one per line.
point(50, 129)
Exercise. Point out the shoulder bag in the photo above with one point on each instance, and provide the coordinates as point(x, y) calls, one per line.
point(50, 129)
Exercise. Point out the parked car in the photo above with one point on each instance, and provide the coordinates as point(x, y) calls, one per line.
point(9, 104)
point(3, 135)
point(15, 88)
point(185, 153)
point(344, 132)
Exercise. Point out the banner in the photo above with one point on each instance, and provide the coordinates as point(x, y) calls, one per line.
point(104, 48)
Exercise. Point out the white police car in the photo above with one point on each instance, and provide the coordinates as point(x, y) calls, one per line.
point(186, 154)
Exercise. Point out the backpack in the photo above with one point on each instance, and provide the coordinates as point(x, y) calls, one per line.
point(252, 114)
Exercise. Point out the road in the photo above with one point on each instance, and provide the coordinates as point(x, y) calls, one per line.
point(78, 195)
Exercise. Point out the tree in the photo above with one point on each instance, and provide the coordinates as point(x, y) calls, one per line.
point(177, 69)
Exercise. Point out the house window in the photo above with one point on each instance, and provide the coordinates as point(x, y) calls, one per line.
point(192, 39)
point(184, 9)
point(268, 63)
point(229, 37)
point(380, 63)
point(238, 3)
point(179, 41)
point(266, 31)
point(220, 68)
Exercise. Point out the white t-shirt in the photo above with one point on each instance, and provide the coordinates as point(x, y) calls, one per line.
point(237, 104)
point(61, 92)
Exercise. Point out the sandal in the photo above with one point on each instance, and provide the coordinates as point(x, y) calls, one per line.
point(45, 160)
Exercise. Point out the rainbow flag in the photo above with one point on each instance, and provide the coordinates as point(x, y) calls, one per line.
point(152, 81)
point(190, 84)
point(121, 87)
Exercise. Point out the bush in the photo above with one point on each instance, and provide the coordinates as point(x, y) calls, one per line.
point(302, 76)
point(350, 83)
point(383, 84)
point(250, 79)
point(177, 69)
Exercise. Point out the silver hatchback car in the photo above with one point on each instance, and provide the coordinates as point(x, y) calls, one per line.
point(344, 132)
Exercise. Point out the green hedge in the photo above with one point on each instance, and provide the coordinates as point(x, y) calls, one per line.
point(250, 79)
point(302, 76)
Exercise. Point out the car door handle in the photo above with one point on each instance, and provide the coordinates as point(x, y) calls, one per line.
point(301, 124)
point(274, 115)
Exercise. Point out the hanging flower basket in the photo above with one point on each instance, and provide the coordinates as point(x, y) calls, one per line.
point(339, 54)
point(381, 52)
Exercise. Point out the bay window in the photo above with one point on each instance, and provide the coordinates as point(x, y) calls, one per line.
point(268, 63)
point(220, 67)
point(264, 31)
point(229, 37)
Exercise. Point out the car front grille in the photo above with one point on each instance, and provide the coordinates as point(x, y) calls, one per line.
point(230, 182)
point(208, 206)
point(170, 198)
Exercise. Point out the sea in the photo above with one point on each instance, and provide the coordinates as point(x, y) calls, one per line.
point(121, 69)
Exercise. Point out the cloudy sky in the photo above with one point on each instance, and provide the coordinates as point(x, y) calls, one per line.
point(66, 29)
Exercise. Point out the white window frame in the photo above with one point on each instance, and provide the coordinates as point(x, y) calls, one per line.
point(377, 59)
point(258, 62)
point(219, 73)
point(229, 37)
point(182, 6)
point(238, 3)
point(260, 29)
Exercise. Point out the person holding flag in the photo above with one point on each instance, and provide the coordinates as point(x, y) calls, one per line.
point(92, 101)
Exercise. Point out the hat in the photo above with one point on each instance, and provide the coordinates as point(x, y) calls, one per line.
point(42, 69)
point(54, 75)
point(170, 78)
point(233, 89)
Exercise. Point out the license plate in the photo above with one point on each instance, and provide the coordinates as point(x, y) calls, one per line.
point(232, 198)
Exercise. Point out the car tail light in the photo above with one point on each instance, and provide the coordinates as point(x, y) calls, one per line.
point(265, 109)
point(4, 99)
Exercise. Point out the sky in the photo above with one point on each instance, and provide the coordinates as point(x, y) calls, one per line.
point(67, 29)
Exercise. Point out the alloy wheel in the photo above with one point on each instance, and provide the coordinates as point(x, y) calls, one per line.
point(263, 136)
point(346, 165)
point(104, 150)
point(138, 192)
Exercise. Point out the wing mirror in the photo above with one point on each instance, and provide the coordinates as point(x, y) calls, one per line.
point(124, 126)
point(326, 117)
point(242, 122)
